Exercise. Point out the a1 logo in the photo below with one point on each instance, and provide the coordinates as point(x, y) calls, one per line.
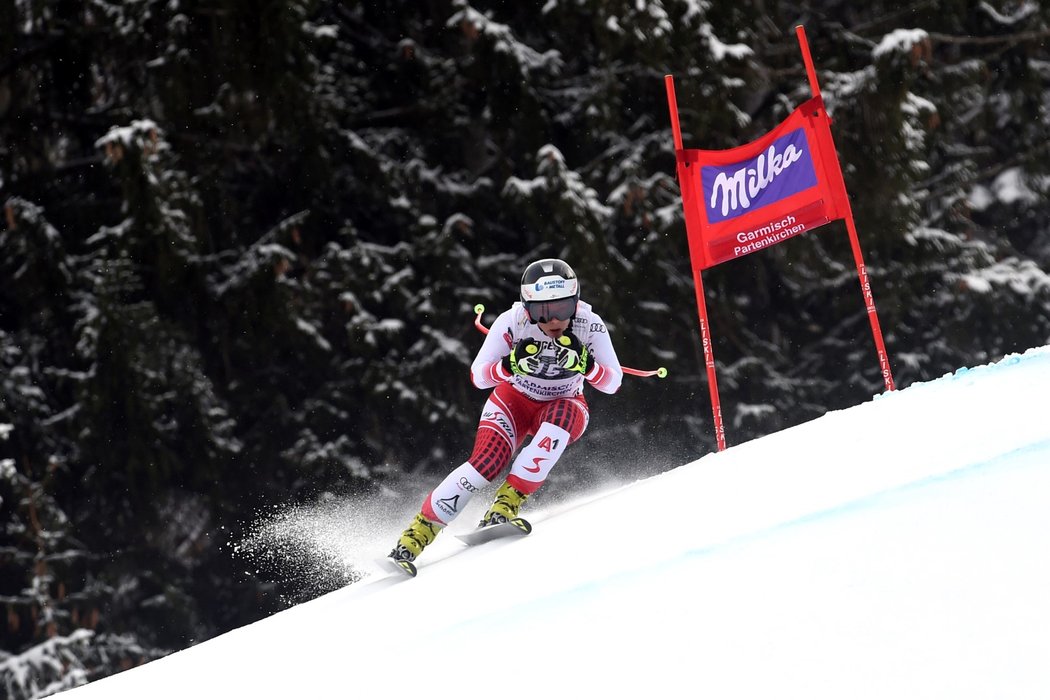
point(548, 444)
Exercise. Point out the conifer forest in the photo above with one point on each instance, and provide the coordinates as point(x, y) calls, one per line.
point(242, 241)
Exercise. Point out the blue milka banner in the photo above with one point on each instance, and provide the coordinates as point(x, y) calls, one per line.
point(784, 169)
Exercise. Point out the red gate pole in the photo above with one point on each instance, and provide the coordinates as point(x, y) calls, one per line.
point(698, 282)
point(854, 241)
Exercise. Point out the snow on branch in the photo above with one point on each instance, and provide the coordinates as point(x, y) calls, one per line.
point(47, 668)
point(142, 133)
point(900, 41)
point(474, 24)
point(1024, 10)
point(1022, 277)
point(554, 175)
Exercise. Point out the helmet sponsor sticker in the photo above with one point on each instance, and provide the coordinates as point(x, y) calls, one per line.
point(546, 288)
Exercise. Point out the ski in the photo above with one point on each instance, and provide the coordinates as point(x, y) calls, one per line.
point(515, 526)
point(400, 565)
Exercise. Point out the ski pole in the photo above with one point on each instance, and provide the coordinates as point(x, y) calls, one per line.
point(660, 372)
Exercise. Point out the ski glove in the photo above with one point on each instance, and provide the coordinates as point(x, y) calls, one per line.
point(523, 358)
point(572, 354)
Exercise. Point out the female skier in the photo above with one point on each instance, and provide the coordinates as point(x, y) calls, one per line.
point(536, 357)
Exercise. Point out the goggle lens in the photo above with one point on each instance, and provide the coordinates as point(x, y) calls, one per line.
point(547, 311)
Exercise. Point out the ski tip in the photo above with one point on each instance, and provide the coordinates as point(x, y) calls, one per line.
point(522, 524)
point(400, 565)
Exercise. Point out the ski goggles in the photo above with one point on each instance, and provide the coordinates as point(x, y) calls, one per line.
point(547, 311)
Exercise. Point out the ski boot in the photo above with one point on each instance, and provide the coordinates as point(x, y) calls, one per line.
point(413, 540)
point(505, 507)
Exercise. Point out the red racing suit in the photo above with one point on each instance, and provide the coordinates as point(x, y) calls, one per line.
point(548, 404)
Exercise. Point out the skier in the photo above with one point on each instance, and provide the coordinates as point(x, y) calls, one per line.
point(537, 355)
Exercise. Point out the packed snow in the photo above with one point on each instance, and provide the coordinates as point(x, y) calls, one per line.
point(897, 549)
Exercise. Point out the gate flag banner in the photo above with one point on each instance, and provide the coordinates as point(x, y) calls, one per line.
point(747, 198)
point(754, 196)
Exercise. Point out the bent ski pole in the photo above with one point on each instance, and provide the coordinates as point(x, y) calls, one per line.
point(660, 372)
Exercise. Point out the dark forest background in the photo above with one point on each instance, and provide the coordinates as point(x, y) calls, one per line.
point(241, 241)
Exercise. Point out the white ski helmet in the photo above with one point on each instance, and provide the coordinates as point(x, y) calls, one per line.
point(549, 290)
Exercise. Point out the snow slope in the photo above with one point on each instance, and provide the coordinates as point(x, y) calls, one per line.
point(898, 549)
